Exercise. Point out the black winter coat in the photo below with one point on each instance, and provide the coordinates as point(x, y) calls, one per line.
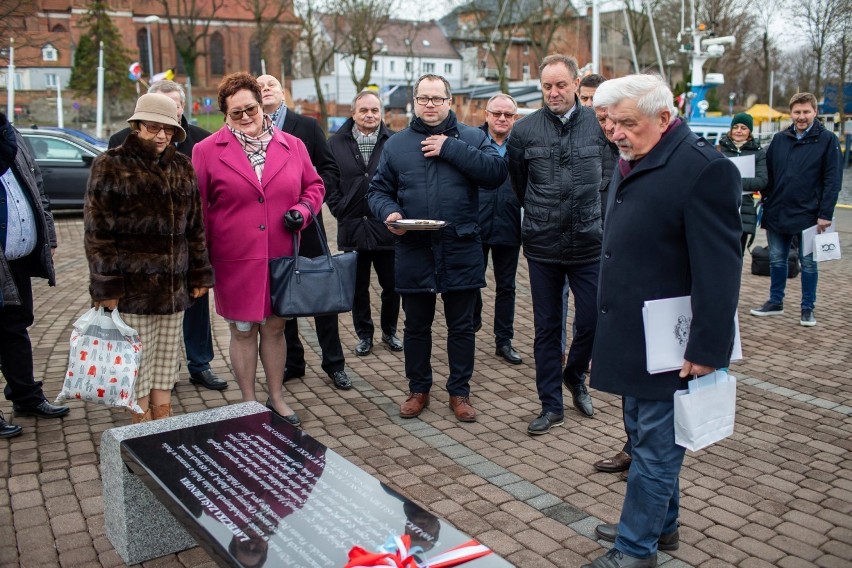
point(748, 211)
point(556, 172)
point(610, 162)
point(672, 229)
point(443, 188)
point(14, 153)
point(804, 179)
point(499, 213)
point(357, 227)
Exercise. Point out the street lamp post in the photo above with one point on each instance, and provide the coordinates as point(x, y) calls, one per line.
point(153, 19)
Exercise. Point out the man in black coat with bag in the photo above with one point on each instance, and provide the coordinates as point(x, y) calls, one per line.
point(672, 229)
point(357, 147)
point(328, 334)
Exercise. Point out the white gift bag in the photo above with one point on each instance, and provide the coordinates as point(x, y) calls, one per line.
point(103, 361)
point(827, 246)
point(704, 414)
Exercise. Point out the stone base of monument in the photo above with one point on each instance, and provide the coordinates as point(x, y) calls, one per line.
point(137, 524)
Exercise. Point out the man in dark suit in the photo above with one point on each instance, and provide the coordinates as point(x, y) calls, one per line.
point(672, 229)
point(328, 334)
point(197, 337)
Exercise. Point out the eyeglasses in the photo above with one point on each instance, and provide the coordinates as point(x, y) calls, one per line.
point(154, 128)
point(437, 101)
point(249, 110)
point(506, 115)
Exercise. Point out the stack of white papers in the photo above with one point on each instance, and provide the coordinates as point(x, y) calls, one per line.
point(667, 324)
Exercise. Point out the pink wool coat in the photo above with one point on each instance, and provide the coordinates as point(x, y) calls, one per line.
point(244, 217)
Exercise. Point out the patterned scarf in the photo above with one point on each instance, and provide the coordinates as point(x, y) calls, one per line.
point(255, 147)
point(366, 142)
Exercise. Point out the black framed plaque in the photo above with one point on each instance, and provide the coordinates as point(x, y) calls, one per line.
point(255, 491)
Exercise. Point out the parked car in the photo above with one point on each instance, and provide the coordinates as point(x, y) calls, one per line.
point(102, 144)
point(65, 162)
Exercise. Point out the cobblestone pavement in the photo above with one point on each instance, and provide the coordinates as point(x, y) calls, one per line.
point(776, 493)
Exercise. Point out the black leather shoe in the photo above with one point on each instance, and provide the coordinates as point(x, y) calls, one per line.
point(341, 380)
point(544, 422)
point(293, 373)
point(670, 541)
point(617, 559)
point(509, 354)
point(292, 418)
point(8, 430)
point(364, 347)
point(392, 341)
point(582, 400)
point(44, 409)
point(208, 380)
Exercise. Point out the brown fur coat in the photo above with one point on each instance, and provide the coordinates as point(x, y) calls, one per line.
point(144, 234)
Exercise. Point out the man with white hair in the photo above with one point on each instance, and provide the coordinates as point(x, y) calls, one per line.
point(672, 229)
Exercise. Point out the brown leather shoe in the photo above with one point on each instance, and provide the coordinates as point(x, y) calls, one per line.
point(620, 462)
point(462, 408)
point(414, 404)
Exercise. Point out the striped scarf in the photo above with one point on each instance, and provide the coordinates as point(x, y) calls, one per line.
point(366, 142)
point(255, 147)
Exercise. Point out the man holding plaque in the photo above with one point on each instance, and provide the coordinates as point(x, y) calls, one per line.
point(672, 230)
point(433, 172)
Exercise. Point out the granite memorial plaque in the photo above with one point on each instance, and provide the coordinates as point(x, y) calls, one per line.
point(255, 491)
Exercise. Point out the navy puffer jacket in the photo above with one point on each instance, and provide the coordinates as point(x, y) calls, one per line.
point(443, 188)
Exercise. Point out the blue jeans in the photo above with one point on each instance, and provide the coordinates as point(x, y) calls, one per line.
point(779, 251)
point(652, 500)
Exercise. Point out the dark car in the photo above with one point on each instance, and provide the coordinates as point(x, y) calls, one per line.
point(64, 161)
point(102, 144)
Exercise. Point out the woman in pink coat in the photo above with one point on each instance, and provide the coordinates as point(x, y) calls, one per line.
point(256, 183)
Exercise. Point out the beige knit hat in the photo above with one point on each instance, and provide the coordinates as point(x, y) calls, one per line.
point(155, 107)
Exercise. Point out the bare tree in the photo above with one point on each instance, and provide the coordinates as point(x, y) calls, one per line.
point(189, 25)
point(818, 20)
point(318, 41)
point(267, 16)
point(363, 21)
point(542, 21)
point(840, 51)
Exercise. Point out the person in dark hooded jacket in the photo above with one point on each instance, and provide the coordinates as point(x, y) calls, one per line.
point(739, 142)
point(433, 171)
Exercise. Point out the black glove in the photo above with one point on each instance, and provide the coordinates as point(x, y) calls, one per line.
point(293, 220)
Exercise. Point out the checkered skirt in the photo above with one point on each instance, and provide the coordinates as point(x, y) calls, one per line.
point(162, 350)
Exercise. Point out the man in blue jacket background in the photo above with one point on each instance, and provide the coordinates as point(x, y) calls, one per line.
point(433, 170)
point(805, 170)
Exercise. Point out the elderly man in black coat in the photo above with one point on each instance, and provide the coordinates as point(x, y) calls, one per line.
point(672, 229)
point(308, 131)
point(197, 336)
point(433, 171)
point(357, 147)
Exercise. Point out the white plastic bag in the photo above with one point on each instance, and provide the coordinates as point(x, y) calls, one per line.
point(103, 362)
point(705, 413)
point(826, 247)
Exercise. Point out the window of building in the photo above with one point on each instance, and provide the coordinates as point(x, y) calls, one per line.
point(526, 49)
point(393, 66)
point(142, 46)
point(50, 80)
point(428, 67)
point(408, 66)
point(19, 80)
point(448, 68)
point(217, 54)
point(58, 29)
point(286, 59)
point(49, 53)
point(526, 69)
point(375, 65)
point(426, 43)
point(255, 64)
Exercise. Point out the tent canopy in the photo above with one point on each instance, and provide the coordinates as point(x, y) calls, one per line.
point(762, 113)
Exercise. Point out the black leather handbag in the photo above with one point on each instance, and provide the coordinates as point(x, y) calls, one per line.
point(318, 286)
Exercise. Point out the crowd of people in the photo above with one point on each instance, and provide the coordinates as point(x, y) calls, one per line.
point(606, 190)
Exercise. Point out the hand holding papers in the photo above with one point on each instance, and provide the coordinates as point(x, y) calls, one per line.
point(667, 324)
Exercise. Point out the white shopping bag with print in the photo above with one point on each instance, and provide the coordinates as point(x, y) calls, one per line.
point(826, 247)
point(103, 362)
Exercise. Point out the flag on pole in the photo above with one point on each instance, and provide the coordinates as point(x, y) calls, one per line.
point(168, 74)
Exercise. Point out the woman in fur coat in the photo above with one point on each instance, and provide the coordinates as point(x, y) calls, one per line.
point(145, 244)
